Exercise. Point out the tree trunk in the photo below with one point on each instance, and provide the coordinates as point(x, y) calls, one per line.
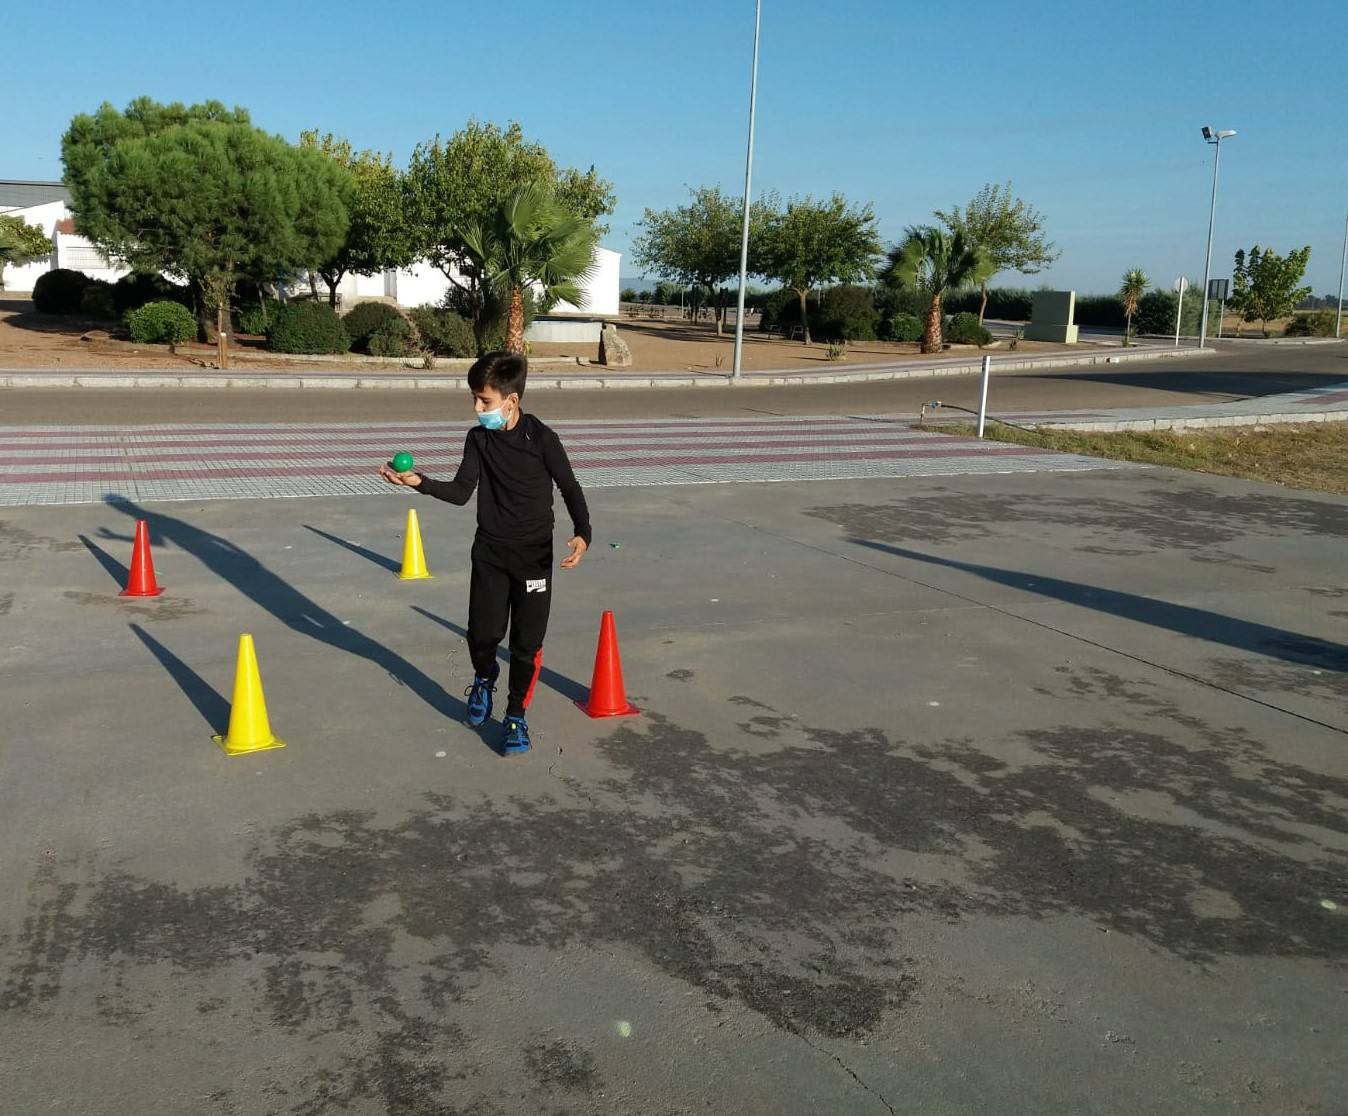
point(221, 334)
point(983, 306)
point(200, 308)
point(720, 312)
point(1127, 328)
point(313, 286)
point(804, 316)
point(932, 341)
point(262, 304)
point(514, 340)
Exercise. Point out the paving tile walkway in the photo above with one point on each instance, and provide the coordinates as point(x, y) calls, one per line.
point(92, 464)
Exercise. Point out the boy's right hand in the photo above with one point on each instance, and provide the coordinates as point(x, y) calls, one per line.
point(408, 479)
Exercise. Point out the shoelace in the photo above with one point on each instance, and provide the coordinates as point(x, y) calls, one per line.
point(490, 687)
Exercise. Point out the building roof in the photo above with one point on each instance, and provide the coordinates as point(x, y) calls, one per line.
point(19, 193)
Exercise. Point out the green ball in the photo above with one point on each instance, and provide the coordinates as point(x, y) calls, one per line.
point(402, 462)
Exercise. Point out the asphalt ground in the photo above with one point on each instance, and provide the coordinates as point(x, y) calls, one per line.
point(947, 792)
point(1236, 372)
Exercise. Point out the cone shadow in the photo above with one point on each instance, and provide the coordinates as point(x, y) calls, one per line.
point(118, 572)
point(559, 683)
point(355, 548)
point(238, 568)
point(213, 708)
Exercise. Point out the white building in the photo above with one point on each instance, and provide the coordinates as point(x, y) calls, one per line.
point(423, 284)
point(47, 205)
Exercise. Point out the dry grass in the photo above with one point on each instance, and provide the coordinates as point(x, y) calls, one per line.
point(1310, 455)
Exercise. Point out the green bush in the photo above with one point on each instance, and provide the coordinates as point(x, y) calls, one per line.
point(307, 327)
point(846, 313)
point(443, 332)
point(1318, 323)
point(902, 327)
point(963, 329)
point(135, 290)
point(158, 323)
point(254, 318)
point(772, 309)
point(97, 300)
point(365, 319)
point(395, 338)
point(1012, 304)
point(59, 291)
point(1102, 311)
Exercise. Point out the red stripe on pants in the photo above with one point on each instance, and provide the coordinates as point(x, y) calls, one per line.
point(538, 669)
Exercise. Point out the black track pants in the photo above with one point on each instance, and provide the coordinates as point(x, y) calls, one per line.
point(511, 585)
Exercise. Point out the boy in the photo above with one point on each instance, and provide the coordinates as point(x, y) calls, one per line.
point(516, 460)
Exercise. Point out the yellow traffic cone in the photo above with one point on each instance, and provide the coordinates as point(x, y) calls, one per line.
point(414, 559)
point(249, 729)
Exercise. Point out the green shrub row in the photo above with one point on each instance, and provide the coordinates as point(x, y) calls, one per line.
point(443, 332)
point(67, 292)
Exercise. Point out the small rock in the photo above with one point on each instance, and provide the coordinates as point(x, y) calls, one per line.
point(613, 350)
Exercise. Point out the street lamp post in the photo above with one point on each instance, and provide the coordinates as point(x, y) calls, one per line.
point(1338, 322)
point(748, 179)
point(1214, 138)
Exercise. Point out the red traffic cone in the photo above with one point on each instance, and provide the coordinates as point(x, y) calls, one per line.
point(141, 583)
point(607, 696)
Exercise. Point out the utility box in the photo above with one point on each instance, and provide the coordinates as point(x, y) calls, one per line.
point(1051, 317)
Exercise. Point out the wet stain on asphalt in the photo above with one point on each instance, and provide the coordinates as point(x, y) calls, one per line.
point(561, 1065)
point(758, 869)
point(150, 609)
point(16, 542)
point(6, 603)
point(1182, 517)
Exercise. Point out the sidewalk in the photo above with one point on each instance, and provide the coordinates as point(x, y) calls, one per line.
point(590, 379)
point(1325, 404)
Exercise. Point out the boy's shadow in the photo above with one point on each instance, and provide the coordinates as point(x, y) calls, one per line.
point(567, 687)
point(277, 596)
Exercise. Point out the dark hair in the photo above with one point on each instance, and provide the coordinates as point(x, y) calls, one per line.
point(506, 372)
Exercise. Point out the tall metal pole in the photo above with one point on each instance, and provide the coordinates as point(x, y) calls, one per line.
point(1207, 270)
point(748, 180)
point(1179, 307)
point(1338, 322)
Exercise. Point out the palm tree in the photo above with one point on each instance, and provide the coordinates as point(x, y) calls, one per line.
point(531, 241)
point(937, 261)
point(1135, 284)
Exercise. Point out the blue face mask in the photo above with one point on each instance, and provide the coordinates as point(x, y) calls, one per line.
point(492, 420)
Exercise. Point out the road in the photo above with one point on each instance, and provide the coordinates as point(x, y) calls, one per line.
point(1237, 371)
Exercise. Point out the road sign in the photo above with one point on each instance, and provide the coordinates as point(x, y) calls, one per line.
point(1219, 290)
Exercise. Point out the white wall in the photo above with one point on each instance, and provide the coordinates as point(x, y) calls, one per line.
point(423, 283)
point(78, 254)
point(600, 290)
point(44, 216)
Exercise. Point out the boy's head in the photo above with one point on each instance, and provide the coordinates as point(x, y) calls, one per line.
point(497, 383)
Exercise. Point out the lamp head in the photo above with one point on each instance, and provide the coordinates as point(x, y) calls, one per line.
point(1227, 134)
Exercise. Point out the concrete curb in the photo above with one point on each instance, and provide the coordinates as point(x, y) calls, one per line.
point(1196, 422)
point(544, 380)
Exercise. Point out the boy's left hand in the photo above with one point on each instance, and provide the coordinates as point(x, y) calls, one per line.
point(578, 548)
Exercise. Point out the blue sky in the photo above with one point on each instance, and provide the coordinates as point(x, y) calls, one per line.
point(1092, 110)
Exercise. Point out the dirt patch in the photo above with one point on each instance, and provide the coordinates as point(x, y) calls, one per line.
point(31, 340)
point(688, 347)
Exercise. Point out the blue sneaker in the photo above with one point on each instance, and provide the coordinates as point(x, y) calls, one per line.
point(479, 697)
point(516, 736)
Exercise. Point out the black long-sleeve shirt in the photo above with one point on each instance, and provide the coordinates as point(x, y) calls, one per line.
point(516, 470)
